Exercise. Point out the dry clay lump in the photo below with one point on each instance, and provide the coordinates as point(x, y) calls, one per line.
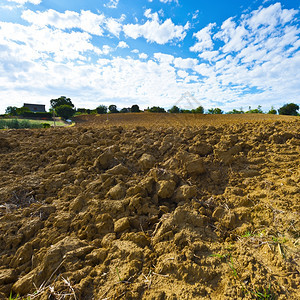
point(209, 211)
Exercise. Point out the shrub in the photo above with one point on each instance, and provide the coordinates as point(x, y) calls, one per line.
point(156, 109)
point(289, 109)
point(101, 109)
point(65, 111)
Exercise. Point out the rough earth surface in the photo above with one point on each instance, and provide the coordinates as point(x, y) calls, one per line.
point(152, 207)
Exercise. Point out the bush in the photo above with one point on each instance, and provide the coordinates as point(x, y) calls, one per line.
point(65, 111)
point(101, 109)
point(135, 108)
point(289, 109)
point(38, 115)
point(198, 110)
point(174, 110)
point(215, 111)
point(156, 109)
point(18, 124)
point(235, 112)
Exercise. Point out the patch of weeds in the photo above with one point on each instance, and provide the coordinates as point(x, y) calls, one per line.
point(13, 298)
point(264, 293)
point(118, 273)
point(234, 271)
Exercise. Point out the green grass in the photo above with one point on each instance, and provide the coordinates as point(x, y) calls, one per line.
point(26, 123)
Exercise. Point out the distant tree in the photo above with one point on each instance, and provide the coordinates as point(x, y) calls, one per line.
point(289, 109)
point(113, 109)
point(186, 111)
point(156, 109)
point(81, 110)
point(135, 108)
point(61, 101)
point(174, 110)
point(198, 110)
point(215, 111)
point(101, 109)
point(21, 110)
point(272, 111)
point(125, 110)
point(11, 110)
point(65, 111)
point(234, 111)
point(257, 110)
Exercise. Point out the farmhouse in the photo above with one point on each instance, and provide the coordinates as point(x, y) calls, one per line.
point(35, 107)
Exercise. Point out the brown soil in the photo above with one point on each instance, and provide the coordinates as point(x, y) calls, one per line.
point(144, 206)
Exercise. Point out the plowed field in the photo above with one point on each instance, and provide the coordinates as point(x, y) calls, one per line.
point(152, 206)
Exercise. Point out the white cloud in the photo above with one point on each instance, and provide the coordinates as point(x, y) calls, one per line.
point(122, 44)
point(87, 21)
point(112, 4)
point(204, 39)
point(36, 2)
point(185, 63)
point(143, 56)
point(168, 1)
point(155, 31)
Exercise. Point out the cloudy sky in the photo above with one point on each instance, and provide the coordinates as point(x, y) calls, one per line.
point(227, 54)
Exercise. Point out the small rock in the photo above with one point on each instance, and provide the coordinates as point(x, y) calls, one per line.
point(195, 167)
point(77, 204)
point(185, 192)
point(104, 160)
point(146, 162)
point(121, 225)
point(7, 276)
point(166, 188)
point(117, 192)
point(218, 213)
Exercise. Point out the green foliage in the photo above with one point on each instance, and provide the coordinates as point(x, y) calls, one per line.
point(65, 111)
point(156, 109)
point(80, 111)
point(257, 110)
point(38, 115)
point(113, 109)
point(135, 108)
point(11, 110)
point(174, 110)
point(215, 111)
point(101, 109)
point(235, 112)
point(289, 109)
point(62, 100)
point(124, 110)
point(18, 124)
point(46, 125)
point(22, 110)
point(198, 110)
point(272, 111)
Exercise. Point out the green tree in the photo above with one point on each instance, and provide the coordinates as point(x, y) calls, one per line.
point(21, 110)
point(61, 101)
point(174, 110)
point(198, 110)
point(101, 109)
point(257, 110)
point(113, 109)
point(135, 108)
point(215, 111)
point(156, 109)
point(234, 111)
point(272, 111)
point(289, 109)
point(65, 111)
point(125, 110)
point(11, 110)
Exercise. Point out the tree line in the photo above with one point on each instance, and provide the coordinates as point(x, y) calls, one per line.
point(64, 108)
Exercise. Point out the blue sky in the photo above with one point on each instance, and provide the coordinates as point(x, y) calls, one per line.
point(227, 54)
